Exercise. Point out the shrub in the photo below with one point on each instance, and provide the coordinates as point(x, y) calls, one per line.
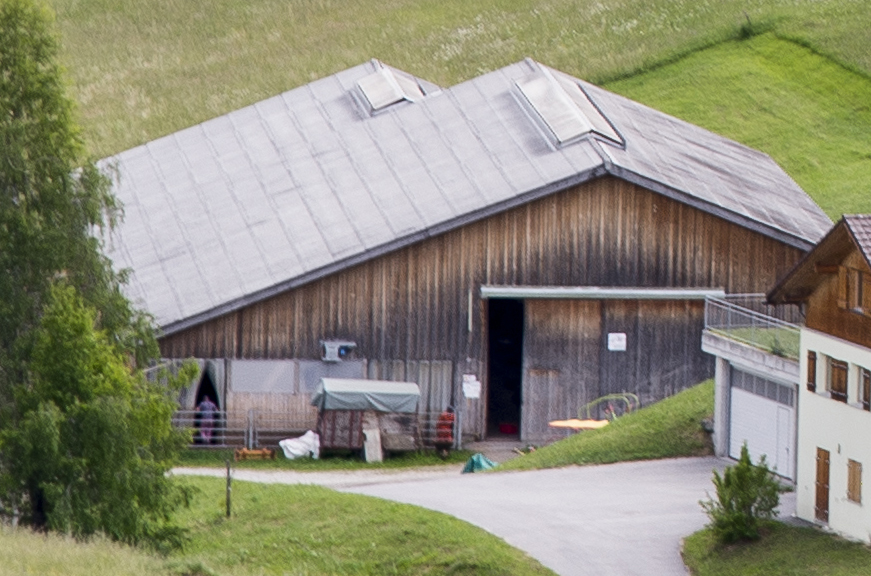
point(746, 494)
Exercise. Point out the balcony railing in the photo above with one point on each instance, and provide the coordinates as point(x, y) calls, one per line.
point(746, 318)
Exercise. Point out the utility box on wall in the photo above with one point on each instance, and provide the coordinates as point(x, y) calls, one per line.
point(337, 350)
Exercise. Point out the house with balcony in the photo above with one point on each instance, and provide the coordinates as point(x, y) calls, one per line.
point(832, 285)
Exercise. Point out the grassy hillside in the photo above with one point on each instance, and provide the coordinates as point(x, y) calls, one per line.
point(309, 530)
point(810, 114)
point(284, 530)
point(144, 68)
point(670, 428)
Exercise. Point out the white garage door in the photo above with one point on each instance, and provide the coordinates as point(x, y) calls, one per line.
point(763, 415)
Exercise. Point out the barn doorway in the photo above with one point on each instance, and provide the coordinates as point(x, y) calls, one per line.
point(505, 370)
point(207, 388)
point(207, 432)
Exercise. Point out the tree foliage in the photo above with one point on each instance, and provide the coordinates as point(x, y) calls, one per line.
point(92, 445)
point(746, 494)
point(85, 438)
point(52, 198)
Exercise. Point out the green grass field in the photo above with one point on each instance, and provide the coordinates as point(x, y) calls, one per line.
point(144, 68)
point(312, 530)
point(783, 550)
point(808, 113)
point(670, 428)
point(284, 530)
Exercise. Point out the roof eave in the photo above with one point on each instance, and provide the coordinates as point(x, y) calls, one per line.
point(858, 244)
point(392, 246)
point(606, 168)
point(791, 282)
point(788, 238)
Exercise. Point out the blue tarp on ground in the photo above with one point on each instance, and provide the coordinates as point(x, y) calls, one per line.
point(477, 463)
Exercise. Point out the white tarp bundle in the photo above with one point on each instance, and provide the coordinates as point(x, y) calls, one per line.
point(378, 395)
point(309, 444)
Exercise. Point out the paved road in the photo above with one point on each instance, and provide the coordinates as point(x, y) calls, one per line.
point(621, 519)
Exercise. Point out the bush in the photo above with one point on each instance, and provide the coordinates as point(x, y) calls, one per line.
point(746, 494)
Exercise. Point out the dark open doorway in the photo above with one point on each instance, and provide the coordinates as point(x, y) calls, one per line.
point(207, 388)
point(207, 420)
point(505, 330)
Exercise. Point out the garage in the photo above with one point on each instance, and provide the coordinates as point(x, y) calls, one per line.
point(763, 415)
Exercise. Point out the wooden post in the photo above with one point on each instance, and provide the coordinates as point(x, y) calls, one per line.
point(229, 488)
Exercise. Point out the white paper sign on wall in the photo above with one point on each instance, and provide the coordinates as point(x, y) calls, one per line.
point(471, 386)
point(617, 341)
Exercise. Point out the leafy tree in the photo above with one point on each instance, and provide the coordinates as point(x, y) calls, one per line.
point(93, 442)
point(85, 439)
point(52, 198)
point(746, 494)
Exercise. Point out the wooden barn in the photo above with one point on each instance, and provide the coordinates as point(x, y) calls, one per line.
point(518, 244)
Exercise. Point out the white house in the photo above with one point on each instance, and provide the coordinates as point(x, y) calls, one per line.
point(832, 283)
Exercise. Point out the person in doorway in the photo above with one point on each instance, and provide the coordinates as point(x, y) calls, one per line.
point(207, 410)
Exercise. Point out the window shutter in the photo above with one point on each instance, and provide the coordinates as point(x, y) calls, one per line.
point(838, 380)
point(866, 389)
point(854, 481)
point(842, 287)
point(865, 301)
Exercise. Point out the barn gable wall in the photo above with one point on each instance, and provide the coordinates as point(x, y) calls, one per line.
point(824, 313)
point(413, 304)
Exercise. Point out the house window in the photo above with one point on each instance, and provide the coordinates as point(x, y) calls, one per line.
point(854, 290)
point(854, 481)
point(838, 380)
point(865, 384)
point(812, 371)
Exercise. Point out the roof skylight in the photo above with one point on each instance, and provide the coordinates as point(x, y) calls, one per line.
point(564, 107)
point(383, 88)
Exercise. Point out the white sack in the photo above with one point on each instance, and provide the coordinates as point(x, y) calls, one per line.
point(309, 444)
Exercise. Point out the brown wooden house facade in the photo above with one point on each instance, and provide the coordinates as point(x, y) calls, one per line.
point(833, 285)
point(551, 266)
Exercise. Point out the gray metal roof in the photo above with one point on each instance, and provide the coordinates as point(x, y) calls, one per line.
point(308, 182)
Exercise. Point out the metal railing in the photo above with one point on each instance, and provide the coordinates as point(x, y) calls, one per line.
point(216, 432)
point(259, 429)
point(755, 328)
point(790, 313)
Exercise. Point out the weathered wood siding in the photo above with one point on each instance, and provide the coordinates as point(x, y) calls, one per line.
point(566, 354)
point(413, 304)
point(824, 313)
point(560, 359)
